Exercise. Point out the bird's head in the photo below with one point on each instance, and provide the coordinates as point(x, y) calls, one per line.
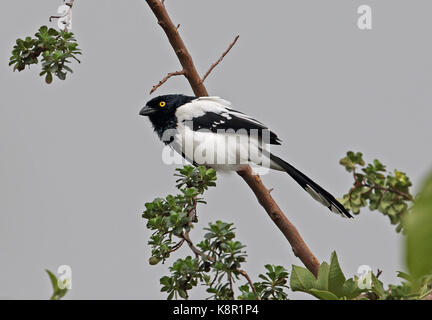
point(164, 106)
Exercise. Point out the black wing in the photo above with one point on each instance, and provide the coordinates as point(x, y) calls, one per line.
point(231, 119)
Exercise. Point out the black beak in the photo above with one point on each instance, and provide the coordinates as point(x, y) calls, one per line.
point(146, 111)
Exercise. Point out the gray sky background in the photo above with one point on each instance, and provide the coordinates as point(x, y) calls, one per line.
point(77, 162)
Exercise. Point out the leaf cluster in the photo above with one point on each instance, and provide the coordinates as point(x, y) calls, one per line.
point(373, 186)
point(409, 289)
point(53, 48)
point(216, 266)
point(272, 287)
point(173, 215)
point(218, 257)
point(330, 284)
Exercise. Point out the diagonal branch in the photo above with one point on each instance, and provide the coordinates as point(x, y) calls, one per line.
point(299, 247)
point(220, 59)
point(178, 46)
point(169, 75)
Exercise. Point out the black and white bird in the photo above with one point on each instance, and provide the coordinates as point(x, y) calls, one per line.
point(195, 126)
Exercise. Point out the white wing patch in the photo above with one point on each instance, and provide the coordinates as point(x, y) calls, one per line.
point(198, 107)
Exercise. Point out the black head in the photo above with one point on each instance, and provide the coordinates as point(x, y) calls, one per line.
point(161, 111)
point(164, 106)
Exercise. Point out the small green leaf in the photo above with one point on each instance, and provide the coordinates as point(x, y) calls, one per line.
point(57, 292)
point(182, 293)
point(49, 78)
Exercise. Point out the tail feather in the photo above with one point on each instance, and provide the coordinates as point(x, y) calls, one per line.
point(317, 192)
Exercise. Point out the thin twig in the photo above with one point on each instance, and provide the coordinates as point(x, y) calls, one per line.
point(220, 59)
point(230, 282)
point(244, 274)
point(177, 245)
point(54, 17)
point(392, 190)
point(169, 75)
point(379, 272)
point(198, 253)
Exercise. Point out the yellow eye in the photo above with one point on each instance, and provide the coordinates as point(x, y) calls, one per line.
point(162, 104)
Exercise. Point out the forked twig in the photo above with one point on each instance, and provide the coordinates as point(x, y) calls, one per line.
point(220, 59)
point(169, 75)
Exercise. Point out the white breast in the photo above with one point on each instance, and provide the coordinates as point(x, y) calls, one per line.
point(221, 151)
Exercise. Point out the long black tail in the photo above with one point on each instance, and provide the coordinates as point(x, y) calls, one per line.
point(318, 193)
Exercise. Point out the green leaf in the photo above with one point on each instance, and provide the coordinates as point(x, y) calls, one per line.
point(336, 276)
point(419, 233)
point(323, 276)
point(323, 294)
point(330, 284)
point(182, 293)
point(301, 279)
point(404, 276)
point(57, 292)
point(49, 78)
point(53, 279)
point(52, 32)
point(377, 287)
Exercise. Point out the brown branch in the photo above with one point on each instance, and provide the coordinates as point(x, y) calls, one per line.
point(195, 250)
point(220, 59)
point(169, 75)
point(177, 245)
point(391, 190)
point(179, 47)
point(244, 274)
point(230, 282)
point(299, 247)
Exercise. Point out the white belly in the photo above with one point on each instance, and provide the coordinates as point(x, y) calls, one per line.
point(222, 151)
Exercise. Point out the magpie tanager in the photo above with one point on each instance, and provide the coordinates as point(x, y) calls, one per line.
point(190, 124)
